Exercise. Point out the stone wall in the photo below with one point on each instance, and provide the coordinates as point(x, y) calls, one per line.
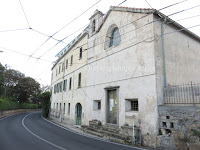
point(181, 125)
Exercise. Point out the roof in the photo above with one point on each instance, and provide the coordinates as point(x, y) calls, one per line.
point(148, 11)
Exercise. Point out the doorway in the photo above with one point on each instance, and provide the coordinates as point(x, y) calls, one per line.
point(112, 107)
point(78, 113)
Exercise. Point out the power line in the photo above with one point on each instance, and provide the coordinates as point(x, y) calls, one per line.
point(126, 49)
point(23, 54)
point(121, 2)
point(129, 30)
point(24, 14)
point(148, 3)
point(14, 30)
point(124, 25)
point(67, 24)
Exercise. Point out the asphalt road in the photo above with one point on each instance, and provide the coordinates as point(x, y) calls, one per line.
point(31, 132)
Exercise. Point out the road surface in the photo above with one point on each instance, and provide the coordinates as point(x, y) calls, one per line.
point(29, 131)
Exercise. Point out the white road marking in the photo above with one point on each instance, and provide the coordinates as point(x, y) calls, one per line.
point(96, 138)
point(39, 136)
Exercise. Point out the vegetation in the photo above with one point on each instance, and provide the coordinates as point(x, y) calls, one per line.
point(10, 105)
point(195, 132)
point(45, 99)
point(16, 87)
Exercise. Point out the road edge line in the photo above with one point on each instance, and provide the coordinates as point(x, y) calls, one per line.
point(96, 138)
point(39, 136)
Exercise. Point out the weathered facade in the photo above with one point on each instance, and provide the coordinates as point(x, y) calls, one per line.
point(132, 54)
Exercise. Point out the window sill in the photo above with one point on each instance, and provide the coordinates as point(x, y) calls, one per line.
point(134, 111)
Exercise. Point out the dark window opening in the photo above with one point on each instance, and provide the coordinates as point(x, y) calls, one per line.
point(171, 125)
point(134, 105)
point(93, 25)
point(164, 124)
point(79, 80)
point(99, 105)
point(71, 60)
point(167, 117)
point(81, 53)
point(68, 108)
point(66, 63)
point(70, 83)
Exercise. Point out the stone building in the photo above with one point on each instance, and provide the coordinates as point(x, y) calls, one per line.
point(132, 54)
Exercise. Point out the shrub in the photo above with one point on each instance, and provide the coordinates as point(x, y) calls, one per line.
point(45, 99)
point(10, 105)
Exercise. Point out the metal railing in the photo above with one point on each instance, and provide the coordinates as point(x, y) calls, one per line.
point(182, 94)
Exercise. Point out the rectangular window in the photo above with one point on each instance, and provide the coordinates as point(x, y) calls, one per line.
point(71, 60)
point(80, 54)
point(63, 65)
point(79, 80)
point(60, 107)
point(66, 63)
point(131, 105)
point(68, 108)
point(56, 72)
point(61, 84)
point(57, 107)
point(64, 109)
point(54, 89)
point(70, 83)
point(96, 104)
point(64, 85)
point(59, 70)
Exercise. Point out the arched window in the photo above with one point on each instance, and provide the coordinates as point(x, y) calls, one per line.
point(115, 37)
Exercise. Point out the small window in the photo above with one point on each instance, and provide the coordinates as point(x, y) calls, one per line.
point(57, 107)
point(134, 105)
point(71, 60)
point(64, 109)
point(66, 63)
point(131, 105)
point(60, 107)
point(96, 105)
point(61, 85)
point(80, 54)
point(56, 72)
point(79, 80)
point(93, 25)
point(70, 83)
point(68, 108)
point(54, 89)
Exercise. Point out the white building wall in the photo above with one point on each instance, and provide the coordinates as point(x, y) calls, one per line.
point(108, 68)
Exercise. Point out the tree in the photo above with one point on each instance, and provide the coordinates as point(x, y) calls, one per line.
point(2, 79)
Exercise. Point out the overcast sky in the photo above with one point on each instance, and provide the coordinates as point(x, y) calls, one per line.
point(49, 16)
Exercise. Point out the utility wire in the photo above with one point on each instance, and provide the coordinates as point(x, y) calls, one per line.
point(14, 30)
point(123, 25)
point(24, 14)
point(121, 2)
point(23, 54)
point(67, 25)
point(126, 49)
point(148, 3)
point(130, 30)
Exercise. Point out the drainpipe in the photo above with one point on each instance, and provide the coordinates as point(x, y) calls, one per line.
point(163, 51)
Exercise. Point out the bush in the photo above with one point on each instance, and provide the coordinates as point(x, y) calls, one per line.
point(45, 99)
point(10, 105)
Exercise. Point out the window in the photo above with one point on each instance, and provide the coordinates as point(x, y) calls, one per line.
point(115, 37)
point(63, 67)
point(57, 107)
point(54, 89)
point(79, 80)
point(70, 83)
point(68, 108)
point(59, 70)
point(71, 60)
point(66, 63)
point(60, 107)
point(64, 85)
point(61, 84)
point(134, 105)
point(80, 54)
point(64, 109)
point(93, 25)
point(56, 72)
point(131, 105)
point(96, 105)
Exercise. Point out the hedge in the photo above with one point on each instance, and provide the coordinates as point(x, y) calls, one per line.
point(10, 105)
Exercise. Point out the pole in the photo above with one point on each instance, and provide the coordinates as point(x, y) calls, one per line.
point(133, 133)
point(192, 94)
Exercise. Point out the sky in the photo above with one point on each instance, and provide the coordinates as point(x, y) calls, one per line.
point(47, 17)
